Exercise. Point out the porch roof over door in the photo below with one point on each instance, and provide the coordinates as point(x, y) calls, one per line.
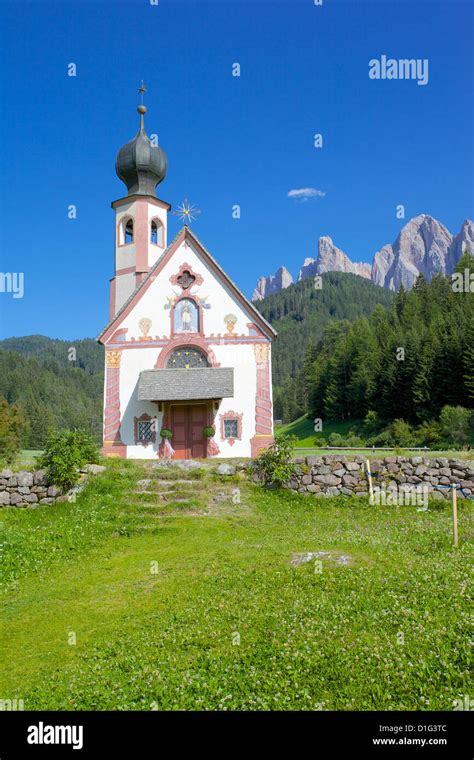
point(186, 384)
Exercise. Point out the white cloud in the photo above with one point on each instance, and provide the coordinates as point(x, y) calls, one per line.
point(304, 194)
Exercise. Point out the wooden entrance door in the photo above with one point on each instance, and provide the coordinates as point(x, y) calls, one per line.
point(187, 423)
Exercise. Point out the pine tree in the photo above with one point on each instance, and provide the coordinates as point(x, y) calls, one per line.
point(468, 364)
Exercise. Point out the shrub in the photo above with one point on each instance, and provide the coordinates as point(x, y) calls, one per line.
point(455, 423)
point(372, 424)
point(401, 433)
point(429, 434)
point(12, 426)
point(354, 441)
point(383, 439)
point(320, 443)
point(209, 432)
point(274, 465)
point(166, 433)
point(86, 446)
point(65, 453)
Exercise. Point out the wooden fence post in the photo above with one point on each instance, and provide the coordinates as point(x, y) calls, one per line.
point(455, 514)
point(369, 477)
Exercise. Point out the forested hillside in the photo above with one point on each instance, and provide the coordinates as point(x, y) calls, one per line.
point(89, 355)
point(299, 314)
point(52, 389)
point(407, 363)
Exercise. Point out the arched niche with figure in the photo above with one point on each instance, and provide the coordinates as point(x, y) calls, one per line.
point(186, 317)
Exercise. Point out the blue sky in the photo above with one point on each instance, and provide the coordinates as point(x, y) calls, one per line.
point(229, 140)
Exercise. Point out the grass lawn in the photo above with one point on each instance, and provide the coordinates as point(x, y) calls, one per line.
point(179, 593)
point(25, 460)
point(303, 429)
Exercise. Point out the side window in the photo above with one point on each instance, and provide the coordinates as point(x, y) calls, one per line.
point(231, 428)
point(128, 237)
point(156, 233)
point(145, 431)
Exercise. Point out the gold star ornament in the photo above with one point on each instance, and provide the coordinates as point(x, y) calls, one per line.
point(187, 212)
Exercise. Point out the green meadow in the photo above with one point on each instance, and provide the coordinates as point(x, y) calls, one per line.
point(156, 590)
point(305, 438)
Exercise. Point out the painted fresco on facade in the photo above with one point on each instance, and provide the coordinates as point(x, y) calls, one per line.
point(186, 316)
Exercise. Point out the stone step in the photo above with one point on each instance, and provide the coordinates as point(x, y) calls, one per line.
point(167, 482)
point(158, 485)
point(152, 493)
point(132, 509)
point(169, 501)
point(161, 495)
point(163, 515)
point(186, 465)
point(165, 495)
point(175, 515)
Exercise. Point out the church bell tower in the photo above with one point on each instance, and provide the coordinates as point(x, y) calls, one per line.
point(141, 219)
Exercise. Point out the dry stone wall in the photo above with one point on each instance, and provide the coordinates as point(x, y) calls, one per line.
point(334, 475)
point(28, 489)
point(22, 489)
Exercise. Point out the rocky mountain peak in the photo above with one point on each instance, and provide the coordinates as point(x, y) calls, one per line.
point(272, 284)
point(331, 259)
point(423, 245)
point(462, 243)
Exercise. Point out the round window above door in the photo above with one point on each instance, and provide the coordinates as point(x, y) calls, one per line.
point(187, 357)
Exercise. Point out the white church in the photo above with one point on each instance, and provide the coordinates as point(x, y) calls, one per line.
point(187, 356)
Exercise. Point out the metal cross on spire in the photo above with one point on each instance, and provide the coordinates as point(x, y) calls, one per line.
point(142, 89)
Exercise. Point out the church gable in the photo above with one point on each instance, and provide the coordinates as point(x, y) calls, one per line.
point(186, 292)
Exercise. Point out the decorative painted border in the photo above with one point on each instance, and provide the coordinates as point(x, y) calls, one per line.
point(263, 401)
point(151, 199)
point(112, 297)
point(112, 442)
point(231, 416)
point(198, 279)
point(120, 335)
point(217, 340)
point(186, 340)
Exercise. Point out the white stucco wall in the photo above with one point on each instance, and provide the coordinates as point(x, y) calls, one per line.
point(125, 256)
point(228, 352)
point(152, 302)
point(124, 286)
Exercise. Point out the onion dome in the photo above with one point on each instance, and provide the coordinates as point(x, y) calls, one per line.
point(140, 164)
